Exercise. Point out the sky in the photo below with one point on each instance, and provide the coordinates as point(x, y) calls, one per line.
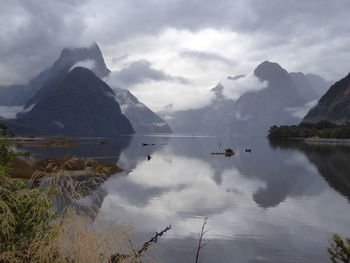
point(175, 51)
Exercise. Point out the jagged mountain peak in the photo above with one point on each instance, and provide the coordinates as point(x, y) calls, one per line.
point(268, 69)
point(218, 88)
point(90, 57)
point(71, 56)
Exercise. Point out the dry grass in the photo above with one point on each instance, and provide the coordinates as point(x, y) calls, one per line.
point(26, 169)
point(30, 232)
point(74, 238)
point(78, 239)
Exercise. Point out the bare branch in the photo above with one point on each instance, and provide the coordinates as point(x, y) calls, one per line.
point(200, 244)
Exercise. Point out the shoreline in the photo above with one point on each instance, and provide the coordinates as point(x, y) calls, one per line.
point(327, 140)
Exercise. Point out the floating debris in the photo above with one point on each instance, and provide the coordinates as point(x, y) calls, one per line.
point(228, 153)
point(148, 144)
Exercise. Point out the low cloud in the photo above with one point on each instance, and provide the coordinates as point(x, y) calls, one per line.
point(234, 88)
point(89, 64)
point(158, 94)
point(207, 56)
point(116, 60)
point(140, 71)
point(9, 112)
point(300, 112)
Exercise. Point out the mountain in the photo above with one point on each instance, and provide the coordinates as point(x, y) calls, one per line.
point(141, 117)
point(304, 86)
point(319, 84)
point(257, 111)
point(212, 119)
point(90, 57)
point(80, 105)
point(334, 106)
point(310, 86)
point(283, 101)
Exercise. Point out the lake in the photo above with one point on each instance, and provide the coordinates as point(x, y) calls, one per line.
point(280, 203)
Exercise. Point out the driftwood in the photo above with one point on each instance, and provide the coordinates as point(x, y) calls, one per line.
point(228, 152)
point(118, 258)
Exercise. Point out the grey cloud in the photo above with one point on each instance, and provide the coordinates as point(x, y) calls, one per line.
point(34, 31)
point(207, 56)
point(32, 34)
point(142, 71)
point(120, 58)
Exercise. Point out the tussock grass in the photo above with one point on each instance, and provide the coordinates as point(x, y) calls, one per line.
point(31, 232)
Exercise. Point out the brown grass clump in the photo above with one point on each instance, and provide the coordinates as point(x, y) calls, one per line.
point(26, 169)
point(103, 168)
point(79, 239)
point(21, 169)
point(30, 231)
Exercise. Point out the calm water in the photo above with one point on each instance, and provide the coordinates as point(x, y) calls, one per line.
point(280, 203)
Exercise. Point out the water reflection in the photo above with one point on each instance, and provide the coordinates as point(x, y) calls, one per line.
point(280, 203)
point(331, 161)
point(268, 206)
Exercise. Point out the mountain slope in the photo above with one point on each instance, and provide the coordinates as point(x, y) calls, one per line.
point(80, 105)
point(334, 106)
point(141, 117)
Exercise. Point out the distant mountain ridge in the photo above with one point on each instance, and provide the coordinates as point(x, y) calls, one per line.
point(254, 112)
point(142, 118)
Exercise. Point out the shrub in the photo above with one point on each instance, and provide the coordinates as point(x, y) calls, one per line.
point(339, 250)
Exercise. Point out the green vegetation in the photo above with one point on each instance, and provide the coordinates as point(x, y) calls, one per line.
point(339, 250)
point(322, 129)
point(31, 232)
point(4, 130)
point(25, 214)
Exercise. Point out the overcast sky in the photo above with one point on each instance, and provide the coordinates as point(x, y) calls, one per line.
point(179, 48)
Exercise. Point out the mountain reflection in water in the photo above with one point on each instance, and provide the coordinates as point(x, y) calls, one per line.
point(280, 203)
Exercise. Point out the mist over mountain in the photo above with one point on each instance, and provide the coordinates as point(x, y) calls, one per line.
point(80, 105)
point(141, 117)
point(282, 98)
point(334, 106)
